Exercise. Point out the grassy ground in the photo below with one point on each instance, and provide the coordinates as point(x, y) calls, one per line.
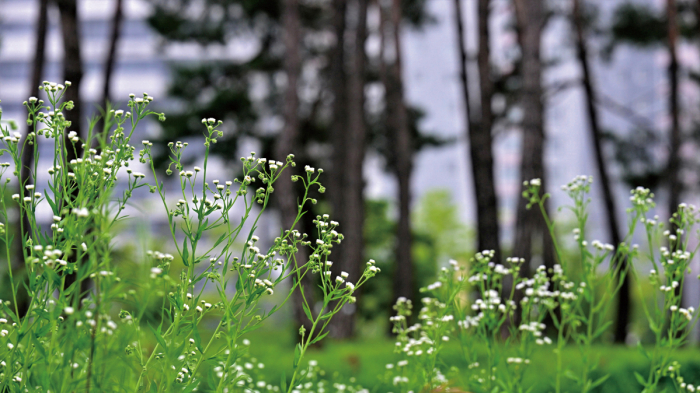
point(365, 359)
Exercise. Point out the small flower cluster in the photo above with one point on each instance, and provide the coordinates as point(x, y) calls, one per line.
point(68, 318)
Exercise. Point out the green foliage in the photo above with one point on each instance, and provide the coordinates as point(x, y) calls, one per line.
point(243, 90)
point(217, 87)
point(68, 339)
point(643, 26)
point(438, 235)
point(177, 322)
point(415, 13)
point(574, 297)
point(638, 25)
point(437, 216)
point(361, 360)
point(635, 153)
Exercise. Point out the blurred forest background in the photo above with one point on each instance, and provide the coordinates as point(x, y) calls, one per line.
point(426, 115)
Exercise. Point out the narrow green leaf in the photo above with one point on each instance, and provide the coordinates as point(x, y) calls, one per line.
point(197, 339)
point(327, 315)
point(38, 345)
point(185, 253)
point(599, 381)
point(220, 239)
point(307, 311)
point(51, 275)
point(250, 329)
point(643, 351)
point(158, 337)
point(222, 294)
point(602, 329)
point(191, 387)
point(50, 201)
point(272, 311)
point(297, 355)
point(319, 338)
point(569, 374)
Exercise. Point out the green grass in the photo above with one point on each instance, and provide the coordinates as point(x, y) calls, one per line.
point(365, 359)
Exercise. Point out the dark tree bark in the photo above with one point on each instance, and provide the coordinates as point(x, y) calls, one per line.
point(350, 252)
point(530, 226)
point(401, 141)
point(287, 142)
point(110, 61)
point(480, 141)
point(72, 68)
point(73, 74)
point(696, 8)
point(338, 83)
point(27, 161)
point(624, 303)
point(112, 52)
point(339, 87)
point(674, 162)
point(37, 72)
point(673, 169)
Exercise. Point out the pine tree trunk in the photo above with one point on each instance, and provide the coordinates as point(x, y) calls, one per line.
point(110, 61)
point(338, 84)
point(339, 131)
point(674, 162)
point(286, 143)
point(349, 254)
point(530, 225)
point(73, 73)
point(480, 143)
point(26, 177)
point(675, 185)
point(72, 68)
point(624, 303)
point(397, 124)
point(37, 72)
point(696, 8)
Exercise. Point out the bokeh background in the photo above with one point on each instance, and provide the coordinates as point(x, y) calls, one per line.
point(426, 116)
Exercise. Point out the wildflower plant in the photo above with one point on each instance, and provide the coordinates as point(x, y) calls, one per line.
point(585, 301)
point(89, 326)
point(315, 380)
point(91, 323)
point(498, 332)
point(54, 345)
point(668, 320)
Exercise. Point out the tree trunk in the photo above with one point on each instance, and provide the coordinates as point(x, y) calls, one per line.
point(338, 83)
point(530, 225)
point(112, 52)
point(72, 68)
point(675, 185)
point(696, 8)
point(73, 73)
point(110, 61)
point(37, 72)
point(339, 130)
point(397, 124)
point(350, 252)
point(674, 162)
point(480, 141)
point(624, 303)
point(27, 172)
point(286, 143)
